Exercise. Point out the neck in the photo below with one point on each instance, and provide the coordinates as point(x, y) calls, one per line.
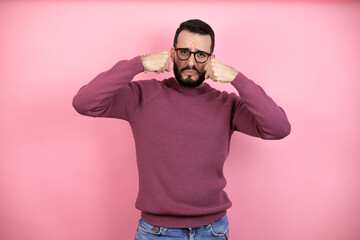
point(200, 86)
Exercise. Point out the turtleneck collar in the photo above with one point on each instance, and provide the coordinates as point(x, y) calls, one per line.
point(171, 83)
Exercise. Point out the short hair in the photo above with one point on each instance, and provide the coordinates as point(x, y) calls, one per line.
point(196, 26)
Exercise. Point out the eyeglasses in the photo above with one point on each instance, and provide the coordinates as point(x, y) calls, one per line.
point(184, 54)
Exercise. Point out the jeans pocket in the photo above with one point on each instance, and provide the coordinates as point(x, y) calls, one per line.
point(220, 228)
point(146, 227)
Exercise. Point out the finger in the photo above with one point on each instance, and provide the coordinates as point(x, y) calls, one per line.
point(207, 70)
point(207, 65)
point(207, 73)
point(168, 65)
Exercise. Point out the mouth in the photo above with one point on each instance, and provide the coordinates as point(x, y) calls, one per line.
point(190, 72)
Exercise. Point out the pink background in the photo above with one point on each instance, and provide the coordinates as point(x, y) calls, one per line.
point(66, 176)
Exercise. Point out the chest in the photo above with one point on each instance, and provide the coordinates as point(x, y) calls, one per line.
point(206, 115)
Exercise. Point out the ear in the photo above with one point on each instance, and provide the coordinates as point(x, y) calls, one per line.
point(212, 56)
point(172, 54)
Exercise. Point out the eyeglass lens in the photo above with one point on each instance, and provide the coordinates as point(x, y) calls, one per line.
point(184, 54)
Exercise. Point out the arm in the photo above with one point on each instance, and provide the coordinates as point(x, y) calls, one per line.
point(97, 97)
point(255, 113)
point(112, 94)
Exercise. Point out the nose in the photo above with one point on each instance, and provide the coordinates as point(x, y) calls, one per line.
point(191, 61)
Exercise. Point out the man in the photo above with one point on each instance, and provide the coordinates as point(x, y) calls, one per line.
point(182, 129)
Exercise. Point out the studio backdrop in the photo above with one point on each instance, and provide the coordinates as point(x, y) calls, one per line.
point(67, 176)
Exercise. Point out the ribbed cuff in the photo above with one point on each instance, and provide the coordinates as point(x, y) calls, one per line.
point(240, 81)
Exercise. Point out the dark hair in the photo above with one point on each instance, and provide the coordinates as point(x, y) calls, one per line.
point(196, 26)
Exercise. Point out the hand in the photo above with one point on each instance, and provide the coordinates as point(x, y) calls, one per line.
point(157, 62)
point(218, 71)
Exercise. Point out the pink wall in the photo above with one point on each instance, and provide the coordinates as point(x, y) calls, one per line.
point(66, 176)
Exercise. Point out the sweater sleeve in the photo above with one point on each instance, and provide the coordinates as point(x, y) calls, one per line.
point(110, 93)
point(256, 113)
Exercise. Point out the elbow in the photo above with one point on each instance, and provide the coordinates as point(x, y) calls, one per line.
point(284, 131)
point(79, 106)
point(282, 128)
point(276, 133)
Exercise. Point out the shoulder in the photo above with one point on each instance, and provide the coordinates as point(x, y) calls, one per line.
point(228, 98)
point(146, 83)
point(147, 89)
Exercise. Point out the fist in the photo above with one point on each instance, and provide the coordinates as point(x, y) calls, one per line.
point(218, 71)
point(156, 62)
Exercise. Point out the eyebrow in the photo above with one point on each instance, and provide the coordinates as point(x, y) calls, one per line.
point(197, 50)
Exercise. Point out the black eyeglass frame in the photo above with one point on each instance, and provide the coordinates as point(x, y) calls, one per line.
point(184, 59)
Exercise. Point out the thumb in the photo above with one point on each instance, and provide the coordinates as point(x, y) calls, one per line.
point(167, 68)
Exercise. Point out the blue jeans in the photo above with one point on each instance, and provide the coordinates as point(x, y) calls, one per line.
point(217, 230)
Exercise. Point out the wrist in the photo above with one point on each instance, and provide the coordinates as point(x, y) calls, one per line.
point(143, 59)
point(232, 74)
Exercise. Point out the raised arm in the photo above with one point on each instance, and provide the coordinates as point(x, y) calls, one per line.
point(255, 113)
point(112, 94)
point(263, 117)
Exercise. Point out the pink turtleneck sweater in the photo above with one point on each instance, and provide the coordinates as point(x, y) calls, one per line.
point(182, 137)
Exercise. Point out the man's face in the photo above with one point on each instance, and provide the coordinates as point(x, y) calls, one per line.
point(190, 73)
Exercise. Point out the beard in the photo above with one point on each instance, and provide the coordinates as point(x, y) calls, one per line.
point(188, 82)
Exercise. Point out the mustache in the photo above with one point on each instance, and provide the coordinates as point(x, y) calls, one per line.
point(188, 68)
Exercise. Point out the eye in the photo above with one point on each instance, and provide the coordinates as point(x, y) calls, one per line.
point(184, 52)
point(201, 54)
